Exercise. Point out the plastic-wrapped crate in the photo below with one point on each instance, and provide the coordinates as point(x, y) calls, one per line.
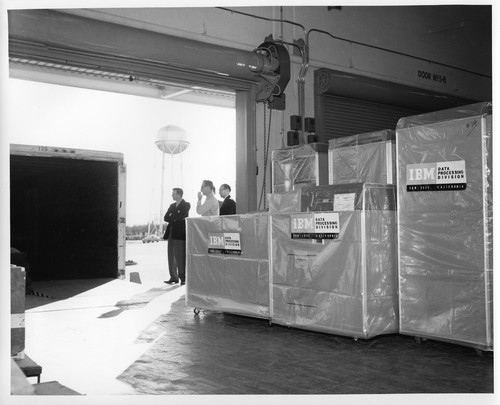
point(300, 165)
point(369, 157)
point(336, 271)
point(445, 225)
point(227, 264)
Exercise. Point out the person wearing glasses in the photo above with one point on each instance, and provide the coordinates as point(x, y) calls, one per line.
point(228, 206)
point(211, 205)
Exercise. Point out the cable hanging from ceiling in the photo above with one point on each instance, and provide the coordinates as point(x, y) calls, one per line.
point(267, 138)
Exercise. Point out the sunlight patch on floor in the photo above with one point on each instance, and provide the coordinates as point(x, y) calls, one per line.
point(84, 350)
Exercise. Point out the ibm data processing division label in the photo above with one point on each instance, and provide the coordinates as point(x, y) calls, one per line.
point(440, 176)
point(324, 225)
point(228, 243)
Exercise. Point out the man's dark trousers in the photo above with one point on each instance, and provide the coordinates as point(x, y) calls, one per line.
point(176, 258)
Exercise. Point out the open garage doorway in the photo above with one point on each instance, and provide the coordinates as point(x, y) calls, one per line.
point(62, 116)
point(132, 64)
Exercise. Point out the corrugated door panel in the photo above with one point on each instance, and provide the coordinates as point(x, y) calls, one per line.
point(339, 116)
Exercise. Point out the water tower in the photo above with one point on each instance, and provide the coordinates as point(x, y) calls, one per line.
point(171, 140)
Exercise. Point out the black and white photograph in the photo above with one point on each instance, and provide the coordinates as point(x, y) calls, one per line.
point(230, 202)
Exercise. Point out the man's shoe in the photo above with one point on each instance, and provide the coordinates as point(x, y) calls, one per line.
point(171, 281)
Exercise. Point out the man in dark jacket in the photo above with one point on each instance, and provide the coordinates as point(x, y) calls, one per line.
point(228, 206)
point(176, 236)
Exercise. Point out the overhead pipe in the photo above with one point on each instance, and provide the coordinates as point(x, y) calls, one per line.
point(49, 30)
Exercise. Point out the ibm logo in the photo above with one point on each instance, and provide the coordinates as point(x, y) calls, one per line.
point(423, 173)
point(216, 240)
point(303, 223)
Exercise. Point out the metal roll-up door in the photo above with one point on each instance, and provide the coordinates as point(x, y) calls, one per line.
point(343, 116)
point(349, 104)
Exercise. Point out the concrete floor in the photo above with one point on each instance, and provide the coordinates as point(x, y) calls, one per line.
point(115, 337)
point(216, 353)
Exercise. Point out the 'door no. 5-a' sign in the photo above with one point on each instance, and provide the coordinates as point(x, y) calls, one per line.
point(227, 243)
point(322, 225)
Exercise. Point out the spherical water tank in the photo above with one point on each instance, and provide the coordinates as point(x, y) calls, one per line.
point(172, 139)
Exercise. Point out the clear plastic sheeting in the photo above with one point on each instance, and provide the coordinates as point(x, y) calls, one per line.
point(445, 225)
point(346, 286)
point(452, 114)
point(368, 157)
point(300, 165)
point(281, 203)
point(225, 278)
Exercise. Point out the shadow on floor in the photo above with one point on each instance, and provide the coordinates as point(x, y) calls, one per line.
point(46, 292)
point(216, 353)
